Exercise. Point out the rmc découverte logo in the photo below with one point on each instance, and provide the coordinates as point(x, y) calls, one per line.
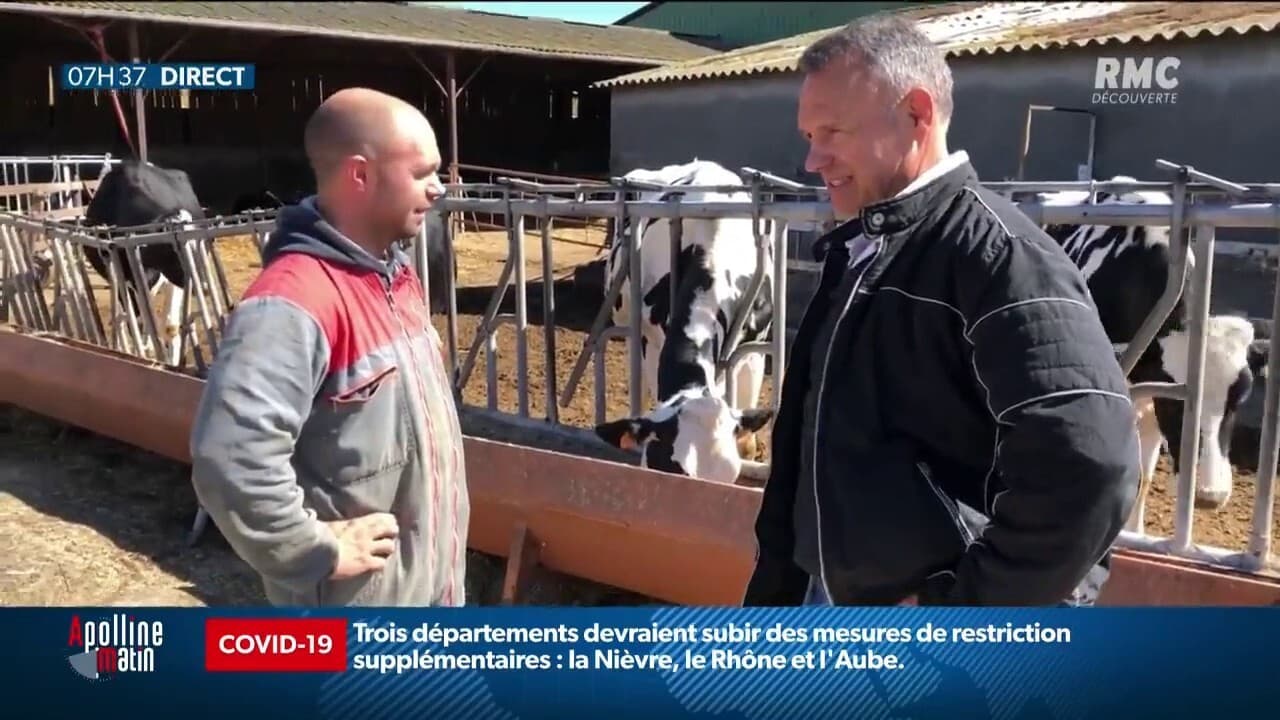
point(1130, 81)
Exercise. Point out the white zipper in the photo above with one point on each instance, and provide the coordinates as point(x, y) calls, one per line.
point(817, 415)
point(946, 504)
point(421, 383)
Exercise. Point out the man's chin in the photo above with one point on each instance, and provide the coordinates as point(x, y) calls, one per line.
point(412, 229)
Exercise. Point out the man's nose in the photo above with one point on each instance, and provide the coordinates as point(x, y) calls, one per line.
point(816, 159)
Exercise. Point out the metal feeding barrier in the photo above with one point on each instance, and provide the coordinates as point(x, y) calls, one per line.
point(517, 199)
point(1191, 211)
point(68, 308)
point(50, 186)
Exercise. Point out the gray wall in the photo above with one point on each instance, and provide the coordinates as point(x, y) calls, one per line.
point(1223, 122)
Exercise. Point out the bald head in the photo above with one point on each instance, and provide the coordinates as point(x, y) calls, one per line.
point(363, 122)
point(376, 164)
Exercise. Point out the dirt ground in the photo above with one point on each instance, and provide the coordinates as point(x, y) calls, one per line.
point(86, 520)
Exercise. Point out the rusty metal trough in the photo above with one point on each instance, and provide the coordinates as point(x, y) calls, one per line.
point(672, 538)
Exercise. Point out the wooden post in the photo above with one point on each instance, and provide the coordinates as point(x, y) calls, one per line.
point(139, 109)
point(451, 69)
point(522, 558)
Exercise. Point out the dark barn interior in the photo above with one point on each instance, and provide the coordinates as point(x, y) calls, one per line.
point(514, 111)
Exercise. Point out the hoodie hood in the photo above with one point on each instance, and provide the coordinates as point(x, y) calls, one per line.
point(302, 229)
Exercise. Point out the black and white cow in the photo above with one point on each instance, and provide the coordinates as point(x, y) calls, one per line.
point(693, 430)
point(1126, 268)
point(136, 193)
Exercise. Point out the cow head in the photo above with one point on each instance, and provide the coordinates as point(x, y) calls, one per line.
point(694, 433)
point(42, 265)
point(1234, 357)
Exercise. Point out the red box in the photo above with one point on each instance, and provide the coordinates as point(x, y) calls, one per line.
point(275, 645)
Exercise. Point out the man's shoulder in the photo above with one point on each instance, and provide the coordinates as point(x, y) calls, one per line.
point(296, 282)
point(301, 279)
point(991, 228)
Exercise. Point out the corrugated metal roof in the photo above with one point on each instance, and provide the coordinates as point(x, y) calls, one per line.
point(979, 28)
point(409, 24)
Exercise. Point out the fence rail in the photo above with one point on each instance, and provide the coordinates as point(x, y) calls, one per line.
point(1235, 206)
point(774, 204)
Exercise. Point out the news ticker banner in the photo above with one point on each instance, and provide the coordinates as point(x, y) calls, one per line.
point(667, 662)
point(156, 76)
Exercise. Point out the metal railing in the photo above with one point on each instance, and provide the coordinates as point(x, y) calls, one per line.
point(68, 172)
point(70, 307)
point(771, 201)
point(1193, 209)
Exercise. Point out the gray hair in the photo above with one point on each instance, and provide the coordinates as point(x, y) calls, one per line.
point(893, 49)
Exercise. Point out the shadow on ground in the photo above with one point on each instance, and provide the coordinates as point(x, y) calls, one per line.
point(87, 520)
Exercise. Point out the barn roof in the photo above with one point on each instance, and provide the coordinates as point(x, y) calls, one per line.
point(973, 28)
point(408, 24)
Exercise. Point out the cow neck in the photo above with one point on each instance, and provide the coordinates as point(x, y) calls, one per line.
point(695, 329)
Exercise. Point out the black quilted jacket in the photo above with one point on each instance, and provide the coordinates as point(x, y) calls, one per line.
point(975, 442)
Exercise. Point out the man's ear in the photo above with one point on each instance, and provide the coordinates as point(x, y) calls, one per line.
point(624, 434)
point(753, 420)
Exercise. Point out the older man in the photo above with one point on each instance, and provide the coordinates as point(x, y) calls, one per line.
point(326, 446)
point(955, 428)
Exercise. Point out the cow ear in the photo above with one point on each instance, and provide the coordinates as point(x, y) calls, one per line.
point(1259, 356)
point(623, 434)
point(754, 420)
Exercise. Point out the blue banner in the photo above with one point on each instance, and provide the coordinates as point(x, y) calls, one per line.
point(618, 663)
point(156, 76)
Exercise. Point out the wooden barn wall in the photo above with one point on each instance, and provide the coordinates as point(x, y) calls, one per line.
point(516, 113)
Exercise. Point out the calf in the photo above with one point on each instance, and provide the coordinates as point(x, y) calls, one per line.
point(694, 430)
point(140, 193)
point(1126, 268)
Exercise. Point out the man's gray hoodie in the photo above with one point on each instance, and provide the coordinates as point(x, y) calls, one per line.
point(328, 400)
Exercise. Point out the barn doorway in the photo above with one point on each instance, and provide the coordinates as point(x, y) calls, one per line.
point(1057, 144)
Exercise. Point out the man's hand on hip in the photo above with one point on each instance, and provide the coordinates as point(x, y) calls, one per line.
point(364, 544)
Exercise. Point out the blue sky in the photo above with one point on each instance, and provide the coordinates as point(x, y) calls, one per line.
point(600, 13)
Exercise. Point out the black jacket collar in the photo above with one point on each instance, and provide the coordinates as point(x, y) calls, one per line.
point(900, 213)
point(897, 214)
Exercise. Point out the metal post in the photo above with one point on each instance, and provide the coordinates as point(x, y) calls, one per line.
point(521, 319)
point(780, 253)
point(451, 70)
point(637, 309)
point(549, 317)
point(1190, 447)
point(1268, 451)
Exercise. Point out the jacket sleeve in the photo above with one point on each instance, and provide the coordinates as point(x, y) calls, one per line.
point(259, 392)
point(1066, 469)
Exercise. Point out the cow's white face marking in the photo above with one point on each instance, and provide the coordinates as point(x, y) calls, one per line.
point(693, 433)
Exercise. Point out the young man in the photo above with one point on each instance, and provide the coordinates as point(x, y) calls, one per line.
point(326, 446)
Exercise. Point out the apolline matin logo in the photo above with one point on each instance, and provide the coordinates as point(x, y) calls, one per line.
point(115, 645)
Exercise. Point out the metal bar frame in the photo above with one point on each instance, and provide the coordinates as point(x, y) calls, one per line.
point(525, 198)
point(515, 204)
